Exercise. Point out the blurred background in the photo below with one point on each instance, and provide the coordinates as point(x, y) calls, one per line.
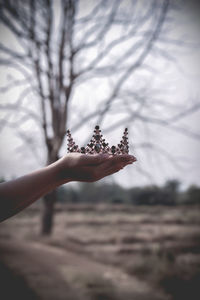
point(73, 64)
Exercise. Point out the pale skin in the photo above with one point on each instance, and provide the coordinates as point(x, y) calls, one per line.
point(17, 194)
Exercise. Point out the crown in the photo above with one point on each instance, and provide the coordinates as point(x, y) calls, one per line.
point(98, 144)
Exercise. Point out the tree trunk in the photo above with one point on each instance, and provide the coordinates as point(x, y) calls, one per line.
point(49, 202)
point(48, 213)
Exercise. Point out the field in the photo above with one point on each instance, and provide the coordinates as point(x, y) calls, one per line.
point(103, 252)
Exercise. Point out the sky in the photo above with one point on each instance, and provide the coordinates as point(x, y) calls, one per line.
point(177, 155)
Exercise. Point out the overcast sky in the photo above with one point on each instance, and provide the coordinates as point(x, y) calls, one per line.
point(181, 81)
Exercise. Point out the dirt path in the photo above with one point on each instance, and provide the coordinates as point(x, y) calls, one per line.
point(48, 272)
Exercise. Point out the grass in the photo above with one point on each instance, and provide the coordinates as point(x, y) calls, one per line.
point(159, 245)
point(178, 275)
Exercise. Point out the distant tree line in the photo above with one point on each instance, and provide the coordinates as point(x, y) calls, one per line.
point(168, 194)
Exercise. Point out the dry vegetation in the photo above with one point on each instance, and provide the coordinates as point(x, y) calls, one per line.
point(157, 245)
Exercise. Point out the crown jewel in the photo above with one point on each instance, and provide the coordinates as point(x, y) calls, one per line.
point(98, 144)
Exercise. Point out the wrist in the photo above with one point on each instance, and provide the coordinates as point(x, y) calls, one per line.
point(61, 172)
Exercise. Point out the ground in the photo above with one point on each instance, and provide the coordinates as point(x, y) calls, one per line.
point(104, 252)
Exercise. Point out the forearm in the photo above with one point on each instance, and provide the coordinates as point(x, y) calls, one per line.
point(17, 194)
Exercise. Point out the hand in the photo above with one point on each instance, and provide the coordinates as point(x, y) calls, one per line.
point(90, 168)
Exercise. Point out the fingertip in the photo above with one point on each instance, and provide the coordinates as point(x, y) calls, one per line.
point(127, 158)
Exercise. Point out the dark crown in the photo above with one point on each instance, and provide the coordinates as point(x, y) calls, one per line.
point(98, 144)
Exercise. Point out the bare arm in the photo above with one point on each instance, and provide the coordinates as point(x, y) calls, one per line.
point(17, 194)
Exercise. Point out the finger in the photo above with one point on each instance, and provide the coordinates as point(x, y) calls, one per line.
point(94, 159)
point(113, 170)
point(118, 161)
point(116, 168)
point(123, 158)
point(109, 167)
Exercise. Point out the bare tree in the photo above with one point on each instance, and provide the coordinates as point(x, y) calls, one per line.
point(64, 44)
